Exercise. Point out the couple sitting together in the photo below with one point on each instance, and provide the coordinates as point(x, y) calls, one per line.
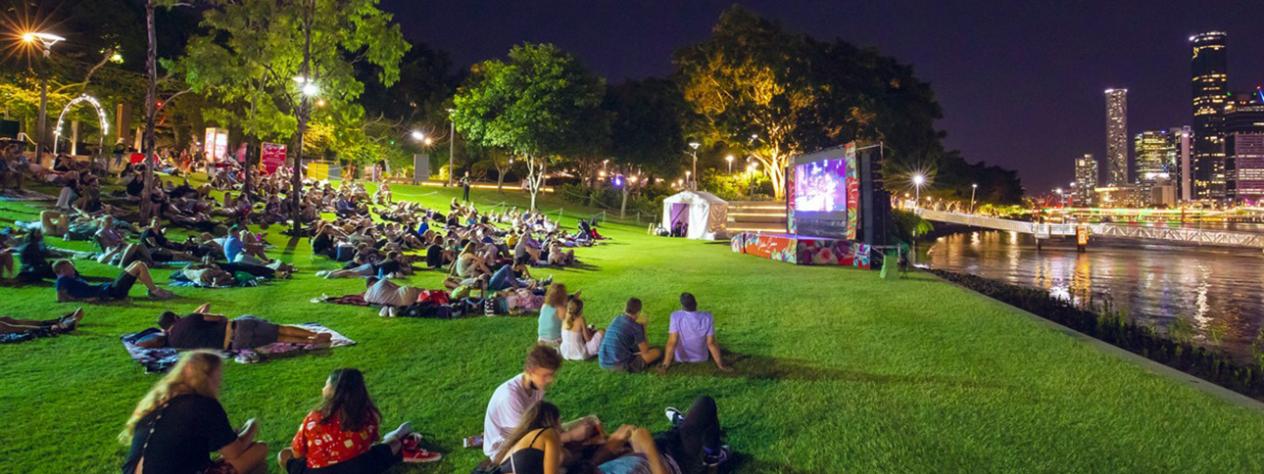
point(524, 434)
point(180, 422)
point(690, 339)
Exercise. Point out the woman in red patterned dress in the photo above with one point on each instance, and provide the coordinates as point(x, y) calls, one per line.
point(341, 435)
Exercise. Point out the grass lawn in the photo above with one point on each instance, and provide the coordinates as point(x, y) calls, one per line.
point(837, 371)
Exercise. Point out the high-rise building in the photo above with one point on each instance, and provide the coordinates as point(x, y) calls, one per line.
point(1117, 136)
point(1210, 78)
point(1182, 137)
point(1244, 147)
point(1156, 156)
point(1085, 180)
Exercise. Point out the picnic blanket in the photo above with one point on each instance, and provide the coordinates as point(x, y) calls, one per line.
point(162, 358)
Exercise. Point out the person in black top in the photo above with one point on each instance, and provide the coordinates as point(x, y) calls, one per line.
point(180, 422)
point(535, 446)
point(35, 265)
point(465, 187)
point(202, 330)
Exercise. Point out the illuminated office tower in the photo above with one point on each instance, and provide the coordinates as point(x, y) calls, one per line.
point(1182, 138)
point(1156, 156)
point(1117, 136)
point(1209, 81)
point(1085, 180)
point(1244, 148)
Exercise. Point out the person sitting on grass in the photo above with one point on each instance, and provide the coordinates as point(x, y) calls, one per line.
point(180, 422)
point(512, 399)
point(71, 286)
point(549, 326)
point(34, 255)
point(580, 340)
point(114, 248)
point(341, 435)
point(60, 325)
point(535, 444)
point(691, 336)
point(624, 347)
point(692, 444)
point(202, 330)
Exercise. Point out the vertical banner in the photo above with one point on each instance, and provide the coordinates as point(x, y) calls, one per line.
point(216, 144)
point(273, 155)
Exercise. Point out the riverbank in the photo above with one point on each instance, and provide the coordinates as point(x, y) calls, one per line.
point(836, 370)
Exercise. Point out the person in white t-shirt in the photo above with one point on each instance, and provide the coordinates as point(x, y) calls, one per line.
point(512, 399)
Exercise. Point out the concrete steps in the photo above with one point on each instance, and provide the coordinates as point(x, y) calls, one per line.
point(756, 216)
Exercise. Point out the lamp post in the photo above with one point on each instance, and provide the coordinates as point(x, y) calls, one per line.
point(693, 184)
point(973, 187)
point(451, 145)
point(1058, 191)
point(729, 159)
point(918, 181)
point(43, 41)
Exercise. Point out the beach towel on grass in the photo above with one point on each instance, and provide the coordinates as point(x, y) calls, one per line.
point(162, 358)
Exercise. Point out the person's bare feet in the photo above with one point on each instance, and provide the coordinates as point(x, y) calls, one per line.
point(322, 340)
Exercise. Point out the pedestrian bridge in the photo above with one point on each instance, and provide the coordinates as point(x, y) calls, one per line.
point(1211, 237)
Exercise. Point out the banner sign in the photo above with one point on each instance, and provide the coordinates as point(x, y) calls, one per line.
point(273, 156)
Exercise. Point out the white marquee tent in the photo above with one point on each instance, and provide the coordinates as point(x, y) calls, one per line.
point(703, 214)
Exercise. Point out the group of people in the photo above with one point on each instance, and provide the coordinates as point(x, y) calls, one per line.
point(623, 345)
point(180, 422)
point(524, 434)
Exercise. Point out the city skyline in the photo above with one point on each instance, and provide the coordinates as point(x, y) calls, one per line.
point(1048, 67)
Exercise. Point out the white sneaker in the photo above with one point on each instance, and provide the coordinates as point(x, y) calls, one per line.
point(674, 416)
point(384, 312)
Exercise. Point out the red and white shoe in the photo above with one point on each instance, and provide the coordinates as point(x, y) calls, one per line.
point(414, 453)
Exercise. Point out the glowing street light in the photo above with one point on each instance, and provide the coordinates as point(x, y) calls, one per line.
point(417, 135)
point(730, 160)
point(973, 187)
point(694, 183)
point(44, 41)
point(918, 181)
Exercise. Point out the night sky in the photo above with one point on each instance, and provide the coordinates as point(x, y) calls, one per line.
point(1020, 82)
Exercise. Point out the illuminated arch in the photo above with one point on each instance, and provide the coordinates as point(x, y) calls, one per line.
point(101, 118)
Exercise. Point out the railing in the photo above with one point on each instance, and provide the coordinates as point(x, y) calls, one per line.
point(1221, 238)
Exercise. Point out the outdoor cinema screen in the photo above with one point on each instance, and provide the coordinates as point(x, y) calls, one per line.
point(822, 194)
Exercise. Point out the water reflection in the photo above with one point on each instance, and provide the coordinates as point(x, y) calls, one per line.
point(1219, 292)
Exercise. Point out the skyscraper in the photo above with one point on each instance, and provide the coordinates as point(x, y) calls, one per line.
point(1117, 136)
point(1183, 137)
point(1244, 147)
point(1085, 180)
point(1209, 72)
point(1156, 156)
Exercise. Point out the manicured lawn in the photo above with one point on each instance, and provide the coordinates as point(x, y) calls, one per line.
point(837, 371)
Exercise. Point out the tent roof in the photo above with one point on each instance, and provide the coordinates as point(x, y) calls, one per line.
point(687, 195)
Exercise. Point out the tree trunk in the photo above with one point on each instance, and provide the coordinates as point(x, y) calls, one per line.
point(535, 176)
point(151, 109)
point(624, 205)
point(296, 177)
point(500, 179)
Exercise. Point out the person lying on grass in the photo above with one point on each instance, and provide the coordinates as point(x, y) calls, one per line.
point(180, 422)
point(72, 287)
point(624, 347)
point(580, 341)
point(60, 325)
point(202, 330)
point(510, 401)
point(692, 444)
point(691, 336)
point(341, 434)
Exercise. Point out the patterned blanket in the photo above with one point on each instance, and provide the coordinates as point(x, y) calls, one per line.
point(162, 358)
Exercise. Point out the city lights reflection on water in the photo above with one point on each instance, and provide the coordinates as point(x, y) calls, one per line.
point(1219, 292)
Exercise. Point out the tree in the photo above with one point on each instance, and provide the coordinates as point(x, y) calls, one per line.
point(647, 125)
point(749, 85)
point(540, 104)
point(252, 51)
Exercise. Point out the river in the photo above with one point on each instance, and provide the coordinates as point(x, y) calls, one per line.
point(1218, 294)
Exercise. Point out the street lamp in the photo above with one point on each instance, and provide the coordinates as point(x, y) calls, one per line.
point(417, 135)
point(43, 41)
point(694, 182)
point(729, 159)
point(973, 187)
point(918, 181)
point(451, 145)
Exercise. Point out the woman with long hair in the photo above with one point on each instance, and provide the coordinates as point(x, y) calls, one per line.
point(580, 341)
point(180, 422)
point(341, 434)
point(535, 446)
point(549, 328)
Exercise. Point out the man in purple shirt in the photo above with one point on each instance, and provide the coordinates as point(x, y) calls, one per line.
point(691, 336)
